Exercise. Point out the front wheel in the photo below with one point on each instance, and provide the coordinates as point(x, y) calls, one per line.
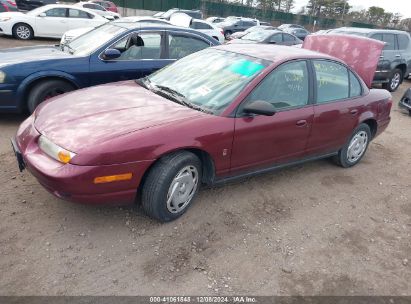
point(394, 81)
point(355, 148)
point(23, 31)
point(171, 186)
point(46, 90)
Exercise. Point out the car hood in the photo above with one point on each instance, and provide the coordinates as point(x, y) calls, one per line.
point(360, 53)
point(98, 114)
point(27, 54)
point(11, 14)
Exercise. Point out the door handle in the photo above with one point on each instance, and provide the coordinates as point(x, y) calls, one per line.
point(381, 57)
point(397, 55)
point(301, 123)
point(353, 111)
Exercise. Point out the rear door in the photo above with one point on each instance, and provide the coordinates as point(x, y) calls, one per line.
point(336, 107)
point(54, 24)
point(405, 50)
point(391, 56)
point(142, 53)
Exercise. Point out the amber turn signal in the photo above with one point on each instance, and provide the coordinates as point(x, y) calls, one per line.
point(113, 178)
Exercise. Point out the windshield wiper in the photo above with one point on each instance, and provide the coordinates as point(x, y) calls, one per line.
point(180, 98)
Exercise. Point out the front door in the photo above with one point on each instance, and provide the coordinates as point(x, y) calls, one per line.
point(261, 141)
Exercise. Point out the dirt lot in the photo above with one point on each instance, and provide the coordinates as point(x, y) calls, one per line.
point(314, 229)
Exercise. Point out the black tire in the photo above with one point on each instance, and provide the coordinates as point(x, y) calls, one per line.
point(45, 90)
point(394, 81)
point(159, 181)
point(23, 31)
point(227, 34)
point(342, 158)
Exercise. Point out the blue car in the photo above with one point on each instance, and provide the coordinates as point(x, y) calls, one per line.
point(112, 52)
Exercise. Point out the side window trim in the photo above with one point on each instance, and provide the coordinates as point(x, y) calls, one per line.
point(182, 33)
point(238, 110)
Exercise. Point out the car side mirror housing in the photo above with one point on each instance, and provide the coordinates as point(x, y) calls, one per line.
point(111, 54)
point(260, 107)
point(43, 15)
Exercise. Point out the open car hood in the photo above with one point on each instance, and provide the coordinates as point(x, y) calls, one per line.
point(181, 19)
point(360, 53)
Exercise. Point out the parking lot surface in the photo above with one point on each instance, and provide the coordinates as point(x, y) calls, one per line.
point(313, 229)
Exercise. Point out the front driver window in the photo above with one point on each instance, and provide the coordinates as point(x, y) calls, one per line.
point(141, 46)
point(181, 46)
point(285, 87)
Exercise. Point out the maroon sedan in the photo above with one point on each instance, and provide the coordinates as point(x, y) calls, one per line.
point(222, 113)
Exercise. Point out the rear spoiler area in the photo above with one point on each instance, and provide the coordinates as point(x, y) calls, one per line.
point(360, 53)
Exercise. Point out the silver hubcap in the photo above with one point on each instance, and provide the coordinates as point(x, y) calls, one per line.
point(357, 146)
point(23, 32)
point(182, 189)
point(395, 81)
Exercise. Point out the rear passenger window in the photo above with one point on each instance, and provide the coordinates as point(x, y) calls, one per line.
point(73, 13)
point(181, 46)
point(403, 41)
point(287, 37)
point(389, 40)
point(332, 81)
point(200, 26)
point(355, 86)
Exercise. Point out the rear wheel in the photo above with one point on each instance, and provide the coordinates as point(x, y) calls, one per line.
point(394, 81)
point(171, 186)
point(23, 31)
point(354, 150)
point(46, 90)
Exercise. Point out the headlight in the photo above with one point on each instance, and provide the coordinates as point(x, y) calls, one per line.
point(54, 151)
point(3, 19)
point(2, 77)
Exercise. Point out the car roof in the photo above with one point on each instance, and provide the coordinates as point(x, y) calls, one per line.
point(368, 30)
point(273, 52)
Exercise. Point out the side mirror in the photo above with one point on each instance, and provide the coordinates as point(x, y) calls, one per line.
point(260, 107)
point(111, 54)
point(43, 15)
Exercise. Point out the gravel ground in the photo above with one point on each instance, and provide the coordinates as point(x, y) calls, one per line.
point(314, 229)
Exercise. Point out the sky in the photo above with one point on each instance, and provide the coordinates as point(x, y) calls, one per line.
point(393, 6)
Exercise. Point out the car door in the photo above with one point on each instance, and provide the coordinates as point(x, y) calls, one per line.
point(336, 107)
point(142, 53)
point(79, 18)
point(52, 23)
point(276, 39)
point(261, 141)
point(289, 39)
point(391, 56)
point(404, 48)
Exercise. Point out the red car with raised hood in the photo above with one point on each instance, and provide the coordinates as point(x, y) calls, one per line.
point(108, 5)
point(221, 113)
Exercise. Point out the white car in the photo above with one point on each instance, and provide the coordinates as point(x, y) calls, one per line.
point(72, 34)
point(50, 21)
point(184, 20)
point(99, 10)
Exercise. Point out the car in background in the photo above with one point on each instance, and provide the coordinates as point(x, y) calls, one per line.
point(99, 10)
point(268, 37)
point(395, 62)
point(8, 6)
point(265, 23)
point(284, 26)
point(196, 14)
point(207, 28)
point(28, 5)
point(405, 102)
point(233, 25)
point(50, 21)
point(222, 113)
point(300, 33)
point(73, 34)
point(108, 5)
point(215, 19)
point(112, 52)
point(256, 28)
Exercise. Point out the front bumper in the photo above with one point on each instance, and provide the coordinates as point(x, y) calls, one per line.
point(73, 182)
point(6, 28)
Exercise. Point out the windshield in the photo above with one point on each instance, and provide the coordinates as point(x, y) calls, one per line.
point(91, 41)
point(211, 78)
point(257, 36)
